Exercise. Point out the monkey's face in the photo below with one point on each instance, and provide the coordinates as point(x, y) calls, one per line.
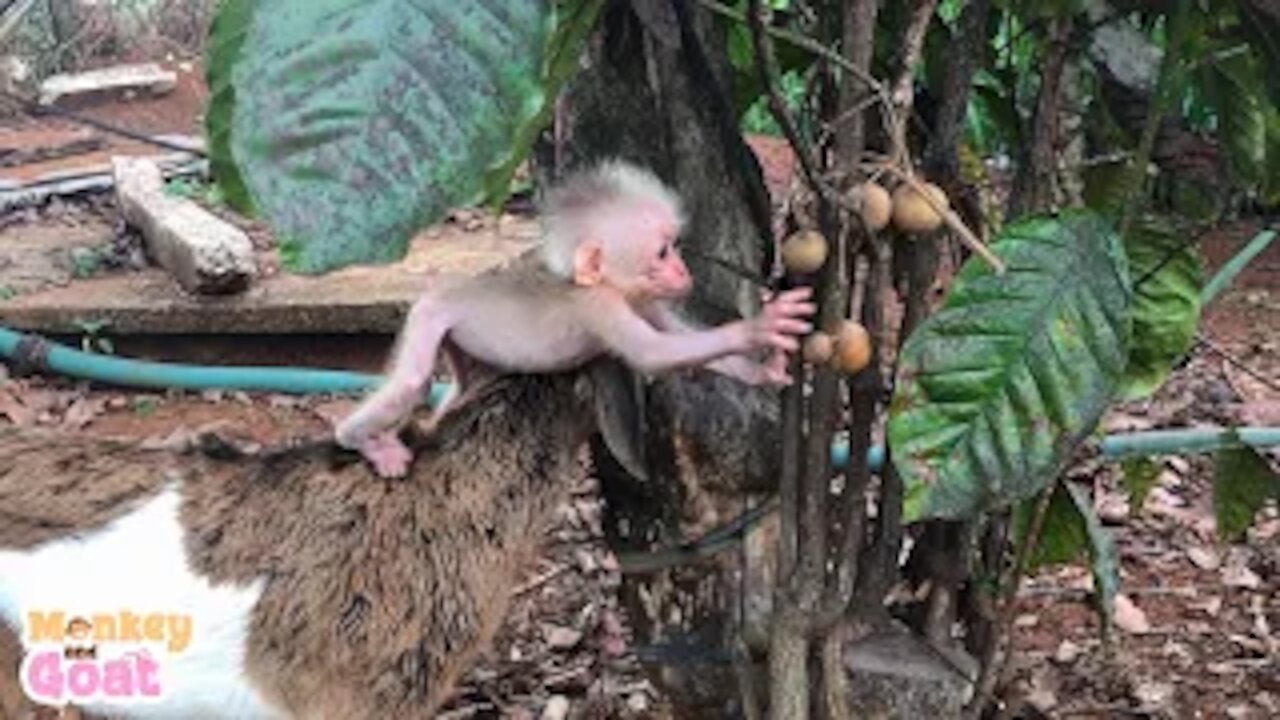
point(650, 264)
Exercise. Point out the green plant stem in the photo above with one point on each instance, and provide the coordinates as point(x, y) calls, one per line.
point(1233, 267)
point(992, 668)
point(1160, 101)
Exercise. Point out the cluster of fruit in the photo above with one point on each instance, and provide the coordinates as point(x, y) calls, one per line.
point(848, 347)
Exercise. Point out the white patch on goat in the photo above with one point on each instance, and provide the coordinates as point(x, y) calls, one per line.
point(138, 564)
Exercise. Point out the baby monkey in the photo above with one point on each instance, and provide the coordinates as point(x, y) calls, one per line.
point(604, 281)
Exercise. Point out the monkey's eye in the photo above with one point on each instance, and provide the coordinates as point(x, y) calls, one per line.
point(665, 252)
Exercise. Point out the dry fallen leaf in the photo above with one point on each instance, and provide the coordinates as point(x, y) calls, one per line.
point(1130, 617)
point(14, 409)
point(82, 412)
point(561, 638)
point(1153, 695)
point(557, 708)
point(1240, 576)
point(1203, 558)
point(1067, 652)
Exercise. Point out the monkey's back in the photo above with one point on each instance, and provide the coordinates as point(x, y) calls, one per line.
point(520, 318)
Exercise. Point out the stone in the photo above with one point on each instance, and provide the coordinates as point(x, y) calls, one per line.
point(148, 77)
point(204, 253)
point(894, 674)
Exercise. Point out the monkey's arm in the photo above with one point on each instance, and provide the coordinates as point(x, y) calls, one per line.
point(642, 345)
point(739, 366)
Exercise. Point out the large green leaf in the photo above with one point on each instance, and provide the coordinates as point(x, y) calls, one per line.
point(225, 41)
point(1167, 276)
point(576, 20)
point(1233, 86)
point(1243, 482)
point(354, 122)
point(997, 388)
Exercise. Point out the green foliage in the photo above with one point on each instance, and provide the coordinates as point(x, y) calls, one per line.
point(748, 92)
point(991, 117)
point(1106, 185)
point(195, 189)
point(1063, 537)
point(1139, 476)
point(1233, 85)
point(759, 120)
point(85, 261)
point(350, 124)
point(1167, 275)
point(576, 19)
point(997, 388)
point(226, 38)
point(92, 338)
point(1243, 483)
point(1071, 530)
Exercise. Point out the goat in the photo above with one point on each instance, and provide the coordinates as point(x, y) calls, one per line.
point(314, 590)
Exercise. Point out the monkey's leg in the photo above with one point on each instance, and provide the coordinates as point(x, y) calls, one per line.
point(373, 427)
point(469, 377)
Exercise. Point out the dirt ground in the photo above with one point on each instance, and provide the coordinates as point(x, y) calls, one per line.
point(1200, 632)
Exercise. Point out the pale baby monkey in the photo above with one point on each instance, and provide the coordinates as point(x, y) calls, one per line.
point(604, 281)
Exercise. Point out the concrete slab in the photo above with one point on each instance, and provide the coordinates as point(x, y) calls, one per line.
point(361, 299)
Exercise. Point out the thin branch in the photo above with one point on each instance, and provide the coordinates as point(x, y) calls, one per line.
point(817, 48)
point(991, 669)
point(903, 95)
point(758, 21)
point(1161, 99)
point(746, 680)
point(1237, 362)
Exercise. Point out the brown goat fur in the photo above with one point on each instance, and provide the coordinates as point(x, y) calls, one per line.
point(379, 593)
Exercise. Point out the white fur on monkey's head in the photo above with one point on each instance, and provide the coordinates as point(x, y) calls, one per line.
point(568, 208)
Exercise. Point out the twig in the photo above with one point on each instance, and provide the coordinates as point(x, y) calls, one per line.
point(817, 48)
point(949, 217)
point(1161, 99)
point(903, 96)
point(757, 22)
point(541, 580)
point(746, 680)
point(468, 711)
point(1236, 362)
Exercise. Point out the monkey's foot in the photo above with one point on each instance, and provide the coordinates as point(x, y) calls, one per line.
point(389, 457)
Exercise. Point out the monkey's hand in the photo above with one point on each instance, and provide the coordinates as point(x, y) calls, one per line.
point(389, 457)
point(781, 320)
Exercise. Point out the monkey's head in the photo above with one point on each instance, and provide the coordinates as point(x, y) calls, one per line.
point(617, 225)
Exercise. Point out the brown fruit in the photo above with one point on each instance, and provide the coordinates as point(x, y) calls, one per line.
point(912, 213)
point(877, 207)
point(853, 348)
point(804, 252)
point(818, 348)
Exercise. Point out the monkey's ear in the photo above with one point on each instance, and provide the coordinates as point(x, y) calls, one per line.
point(588, 264)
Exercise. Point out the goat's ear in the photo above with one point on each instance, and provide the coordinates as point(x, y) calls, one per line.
point(618, 400)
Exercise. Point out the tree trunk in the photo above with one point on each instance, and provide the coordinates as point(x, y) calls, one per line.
point(654, 97)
